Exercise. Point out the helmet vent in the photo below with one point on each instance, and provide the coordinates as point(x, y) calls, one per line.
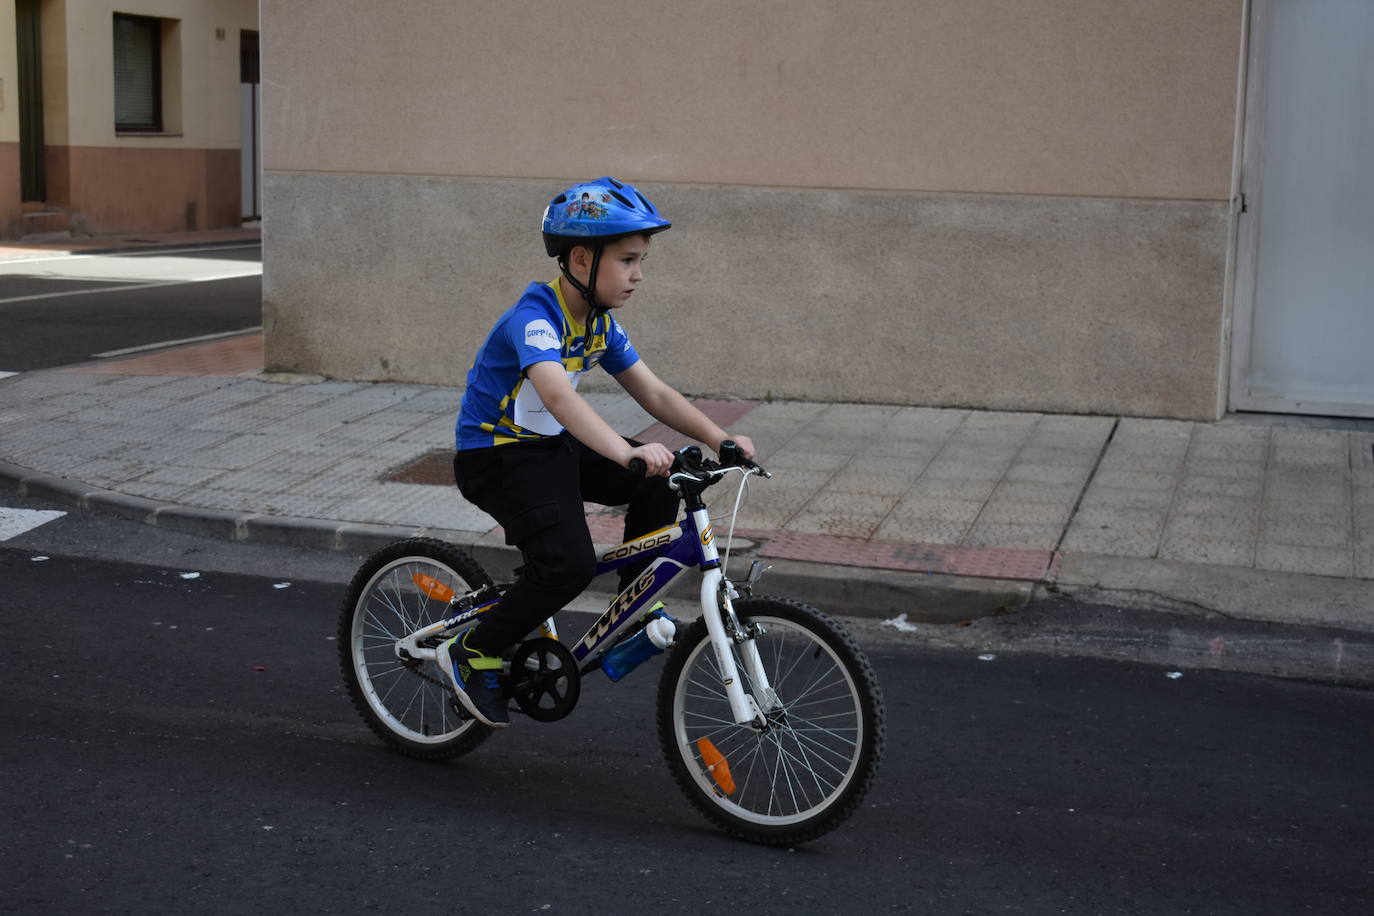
point(561, 199)
point(621, 197)
point(645, 201)
point(614, 182)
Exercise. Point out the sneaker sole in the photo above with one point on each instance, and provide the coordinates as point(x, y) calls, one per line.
point(473, 711)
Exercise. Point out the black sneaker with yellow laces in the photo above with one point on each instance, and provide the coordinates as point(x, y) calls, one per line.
point(476, 680)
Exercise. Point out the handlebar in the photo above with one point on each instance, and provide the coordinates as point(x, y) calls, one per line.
point(689, 460)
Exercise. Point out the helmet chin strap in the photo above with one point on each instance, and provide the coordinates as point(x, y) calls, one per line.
point(588, 290)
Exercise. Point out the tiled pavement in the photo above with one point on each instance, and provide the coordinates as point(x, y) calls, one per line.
point(965, 493)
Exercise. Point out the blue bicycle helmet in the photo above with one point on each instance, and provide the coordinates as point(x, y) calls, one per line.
point(597, 212)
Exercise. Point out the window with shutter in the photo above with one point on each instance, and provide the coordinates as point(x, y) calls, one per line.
point(137, 73)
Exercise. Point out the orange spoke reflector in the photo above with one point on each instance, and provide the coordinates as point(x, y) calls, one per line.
point(432, 587)
point(716, 765)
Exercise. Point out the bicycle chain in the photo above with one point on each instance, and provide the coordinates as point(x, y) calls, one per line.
point(419, 672)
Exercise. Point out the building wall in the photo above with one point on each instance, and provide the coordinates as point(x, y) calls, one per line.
point(1009, 205)
point(184, 178)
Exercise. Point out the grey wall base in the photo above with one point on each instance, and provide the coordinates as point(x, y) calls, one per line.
point(1077, 305)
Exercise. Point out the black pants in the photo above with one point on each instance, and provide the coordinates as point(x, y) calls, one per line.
point(535, 490)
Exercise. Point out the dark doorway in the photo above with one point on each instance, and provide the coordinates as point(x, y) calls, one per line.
point(250, 147)
point(33, 178)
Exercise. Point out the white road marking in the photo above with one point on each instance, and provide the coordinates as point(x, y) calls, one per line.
point(134, 286)
point(152, 270)
point(125, 254)
point(14, 522)
point(176, 343)
point(7, 374)
point(83, 292)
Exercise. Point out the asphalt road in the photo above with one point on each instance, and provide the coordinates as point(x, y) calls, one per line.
point(174, 743)
point(62, 310)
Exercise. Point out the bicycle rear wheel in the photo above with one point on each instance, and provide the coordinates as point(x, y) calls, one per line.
point(807, 769)
point(406, 702)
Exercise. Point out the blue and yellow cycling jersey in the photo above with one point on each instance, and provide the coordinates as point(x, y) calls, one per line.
point(499, 406)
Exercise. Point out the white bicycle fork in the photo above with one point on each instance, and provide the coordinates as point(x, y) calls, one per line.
point(715, 590)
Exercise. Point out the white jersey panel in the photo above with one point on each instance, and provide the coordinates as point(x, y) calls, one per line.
point(530, 412)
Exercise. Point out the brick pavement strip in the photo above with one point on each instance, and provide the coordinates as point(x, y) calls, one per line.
point(227, 358)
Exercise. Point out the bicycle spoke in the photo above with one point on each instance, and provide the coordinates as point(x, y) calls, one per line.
point(781, 678)
point(736, 742)
point(753, 759)
point(709, 695)
point(819, 682)
point(821, 747)
point(398, 608)
point(395, 669)
point(816, 701)
point(792, 715)
point(806, 766)
point(836, 724)
point(773, 783)
point(784, 766)
point(410, 704)
point(725, 723)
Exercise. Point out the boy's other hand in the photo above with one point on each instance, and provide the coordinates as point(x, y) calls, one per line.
point(746, 446)
point(656, 457)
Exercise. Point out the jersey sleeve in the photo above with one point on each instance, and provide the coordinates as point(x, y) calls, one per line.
point(620, 353)
point(534, 336)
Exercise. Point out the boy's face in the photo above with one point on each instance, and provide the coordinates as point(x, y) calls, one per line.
point(620, 270)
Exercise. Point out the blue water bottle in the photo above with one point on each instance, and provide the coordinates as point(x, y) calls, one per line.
point(655, 636)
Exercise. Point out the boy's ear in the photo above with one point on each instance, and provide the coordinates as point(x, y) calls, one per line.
point(580, 256)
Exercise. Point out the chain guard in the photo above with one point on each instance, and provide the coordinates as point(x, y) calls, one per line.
point(544, 680)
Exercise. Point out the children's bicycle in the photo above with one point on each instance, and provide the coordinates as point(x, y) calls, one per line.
point(769, 715)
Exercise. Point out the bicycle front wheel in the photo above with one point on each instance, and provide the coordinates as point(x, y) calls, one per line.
point(402, 588)
point(803, 772)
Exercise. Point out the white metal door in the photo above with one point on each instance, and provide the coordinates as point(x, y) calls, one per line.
point(1303, 337)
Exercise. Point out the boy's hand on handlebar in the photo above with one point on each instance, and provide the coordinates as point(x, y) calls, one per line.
point(746, 446)
point(656, 457)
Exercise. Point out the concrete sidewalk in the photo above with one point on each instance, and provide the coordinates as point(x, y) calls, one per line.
point(941, 514)
point(876, 503)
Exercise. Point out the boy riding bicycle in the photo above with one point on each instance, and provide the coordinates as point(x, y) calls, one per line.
point(530, 449)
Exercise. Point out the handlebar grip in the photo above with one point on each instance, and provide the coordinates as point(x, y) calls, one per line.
point(638, 467)
point(731, 455)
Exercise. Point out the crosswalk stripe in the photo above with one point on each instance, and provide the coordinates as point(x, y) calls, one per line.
point(14, 522)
